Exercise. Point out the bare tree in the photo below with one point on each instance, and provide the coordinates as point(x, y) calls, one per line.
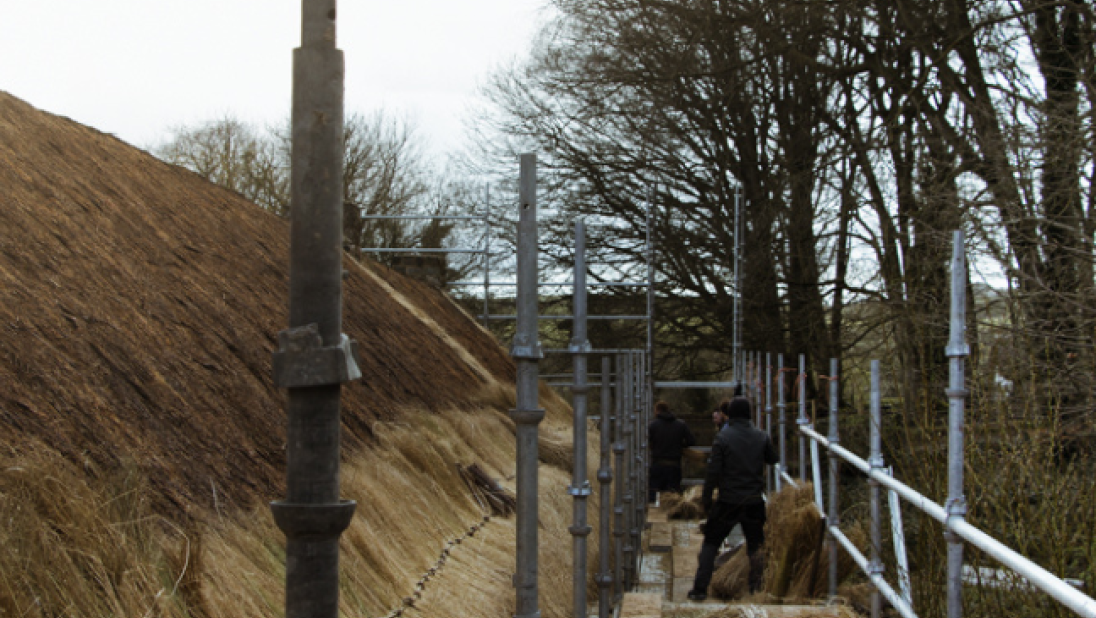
point(385, 174)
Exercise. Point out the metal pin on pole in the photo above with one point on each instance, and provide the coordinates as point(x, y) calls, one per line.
point(312, 516)
point(957, 352)
point(781, 406)
point(875, 459)
point(580, 487)
point(605, 480)
point(527, 416)
point(835, 470)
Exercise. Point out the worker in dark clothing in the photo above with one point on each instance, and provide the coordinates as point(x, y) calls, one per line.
point(668, 437)
point(737, 470)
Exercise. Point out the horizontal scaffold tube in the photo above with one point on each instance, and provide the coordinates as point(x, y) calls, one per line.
point(1046, 581)
point(877, 580)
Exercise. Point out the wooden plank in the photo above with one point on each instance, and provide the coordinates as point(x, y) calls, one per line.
point(654, 568)
point(656, 515)
point(681, 588)
point(682, 535)
point(685, 562)
point(641, 605)
point(659, 589)
point(662, 537)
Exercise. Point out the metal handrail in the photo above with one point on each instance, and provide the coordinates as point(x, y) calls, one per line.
point(419, 250)
point(508, 316)
point(1046, 581)
point(877, 580)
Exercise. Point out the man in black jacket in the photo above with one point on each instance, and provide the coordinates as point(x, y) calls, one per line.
point(737, 470)
point(667, 437)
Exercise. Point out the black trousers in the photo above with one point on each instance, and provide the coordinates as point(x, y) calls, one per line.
point(721, 520)
point(663, 477)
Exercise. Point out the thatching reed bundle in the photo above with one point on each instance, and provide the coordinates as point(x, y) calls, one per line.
point(796, 556)
point(487, 490)
point(684, 505)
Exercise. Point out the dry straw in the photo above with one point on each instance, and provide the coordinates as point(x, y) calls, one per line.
point(421, 543)
point(796, 557)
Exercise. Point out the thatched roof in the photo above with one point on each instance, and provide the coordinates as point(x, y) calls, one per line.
point(139, 307)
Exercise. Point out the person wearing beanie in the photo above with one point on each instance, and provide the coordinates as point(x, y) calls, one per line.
point(736, 473)
point(667, 438)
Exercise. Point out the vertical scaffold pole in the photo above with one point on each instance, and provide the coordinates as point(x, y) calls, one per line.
point(527, 415)
point(737, 326)
point(312, 516)
point(801, 384)
point(621, 476)
point(640, 461)
point(629, 479)
point(758, 394)
point(580, 487)
point(957, 352)
point(835, 473)
point(649, 378)
point(769, 413)
point(875, 460)
point(605, 480)
point(781, 406)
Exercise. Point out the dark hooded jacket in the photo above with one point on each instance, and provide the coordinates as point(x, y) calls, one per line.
point(668, 437)
point(737, 465)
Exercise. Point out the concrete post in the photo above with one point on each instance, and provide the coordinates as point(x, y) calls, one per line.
point(957, 352)
point(875, 460)
point(605, 480)
point(314, 357)
point(621, 475)
point(580, 487)
point(835, 473)
point(527, 416)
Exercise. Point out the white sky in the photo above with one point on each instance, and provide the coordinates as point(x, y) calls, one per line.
point(135, 68)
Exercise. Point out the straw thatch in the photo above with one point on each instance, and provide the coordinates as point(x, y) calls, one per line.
point(143, 436)
point(141, 305)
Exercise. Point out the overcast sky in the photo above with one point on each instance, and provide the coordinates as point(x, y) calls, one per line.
point(135, 68)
